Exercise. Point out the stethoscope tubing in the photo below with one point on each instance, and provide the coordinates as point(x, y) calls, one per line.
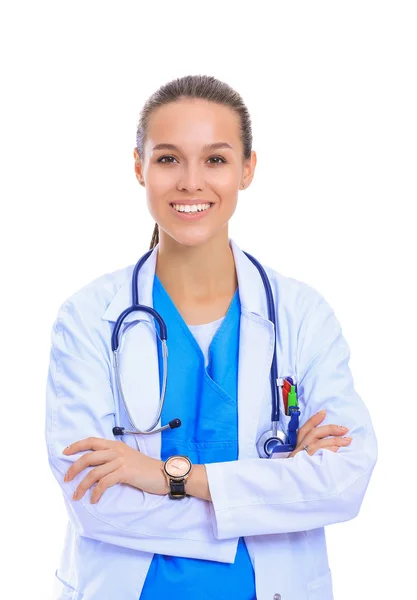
point(275, 387)
point(276, 384)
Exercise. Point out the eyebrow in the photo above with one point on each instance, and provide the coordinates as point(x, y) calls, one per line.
point(214, 146)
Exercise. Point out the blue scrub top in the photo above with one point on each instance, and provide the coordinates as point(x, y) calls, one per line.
point(205, 399)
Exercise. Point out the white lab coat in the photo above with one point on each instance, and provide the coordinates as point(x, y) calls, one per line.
point(279, 506)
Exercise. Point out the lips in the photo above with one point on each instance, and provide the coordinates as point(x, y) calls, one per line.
point(191, 208)
point(191, 215)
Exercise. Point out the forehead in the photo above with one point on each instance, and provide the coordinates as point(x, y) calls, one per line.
point(193, 123)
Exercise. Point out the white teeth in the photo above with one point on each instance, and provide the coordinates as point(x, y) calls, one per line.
point(193, 208)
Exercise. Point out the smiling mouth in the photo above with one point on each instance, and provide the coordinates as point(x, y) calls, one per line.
point(192, 208)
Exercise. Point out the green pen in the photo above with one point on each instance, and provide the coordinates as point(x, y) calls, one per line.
point(292, 398)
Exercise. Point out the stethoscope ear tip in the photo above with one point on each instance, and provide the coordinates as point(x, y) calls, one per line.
point(174, 423)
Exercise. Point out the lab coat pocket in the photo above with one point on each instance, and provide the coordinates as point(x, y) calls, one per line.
point(321, 588)
point(266, 412)
point(63, 590)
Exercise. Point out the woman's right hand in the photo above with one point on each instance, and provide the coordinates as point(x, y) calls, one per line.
point(326, 436)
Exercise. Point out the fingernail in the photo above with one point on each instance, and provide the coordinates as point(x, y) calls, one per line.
point(66, 477)
point(75, 496)
point(342, 428)
point(348, 438)
point(321, 412)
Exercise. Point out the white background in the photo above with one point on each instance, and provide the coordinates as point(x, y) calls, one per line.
point(331, 88)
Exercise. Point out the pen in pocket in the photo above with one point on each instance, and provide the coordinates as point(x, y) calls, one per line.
point(292, 398)
point(285, 391)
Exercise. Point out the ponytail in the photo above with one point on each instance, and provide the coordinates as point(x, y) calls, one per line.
point(155, 237)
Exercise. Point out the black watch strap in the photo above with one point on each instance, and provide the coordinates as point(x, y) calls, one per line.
point(177, 489)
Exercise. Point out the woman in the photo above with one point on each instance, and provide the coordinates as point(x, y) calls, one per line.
point(244, 527)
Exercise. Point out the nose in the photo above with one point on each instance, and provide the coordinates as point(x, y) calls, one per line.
point(191, 177)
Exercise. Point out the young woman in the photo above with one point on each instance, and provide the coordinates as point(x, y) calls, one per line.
point(197, 511)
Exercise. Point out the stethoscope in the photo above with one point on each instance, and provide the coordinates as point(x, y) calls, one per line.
point(273, 441)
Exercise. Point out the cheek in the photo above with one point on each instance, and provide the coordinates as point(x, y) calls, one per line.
point(226, 177)
point(158, 180)
point(228, 190)
point(158, 187)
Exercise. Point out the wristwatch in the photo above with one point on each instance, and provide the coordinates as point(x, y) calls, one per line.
point(177, 469)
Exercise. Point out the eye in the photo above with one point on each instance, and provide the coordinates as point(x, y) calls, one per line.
point(220, 158)
point(162, 161)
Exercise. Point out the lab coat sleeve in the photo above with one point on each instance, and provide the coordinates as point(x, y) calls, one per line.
point(267, 496)
point(80, 404)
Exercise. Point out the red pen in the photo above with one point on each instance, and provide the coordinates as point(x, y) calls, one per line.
point(285, 390)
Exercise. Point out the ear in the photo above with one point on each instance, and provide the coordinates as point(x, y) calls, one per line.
point(249, 170)
point(138, 167)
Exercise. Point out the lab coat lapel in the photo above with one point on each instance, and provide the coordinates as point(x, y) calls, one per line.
point(138, 356)
point(255, 352)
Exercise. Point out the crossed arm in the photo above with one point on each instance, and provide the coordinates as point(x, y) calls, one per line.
point(115, 462)
point(122, 493)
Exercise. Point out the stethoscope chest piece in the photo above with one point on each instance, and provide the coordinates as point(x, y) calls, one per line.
point(276, 442)
point(269, 441)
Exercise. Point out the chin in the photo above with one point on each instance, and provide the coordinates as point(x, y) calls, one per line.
point(191, 237)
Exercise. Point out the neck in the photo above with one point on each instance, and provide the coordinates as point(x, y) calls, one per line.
point(197, 272)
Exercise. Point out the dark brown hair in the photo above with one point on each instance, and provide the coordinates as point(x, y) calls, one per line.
point(194, 86)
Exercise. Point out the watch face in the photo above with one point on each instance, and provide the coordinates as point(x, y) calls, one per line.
point(177, 466)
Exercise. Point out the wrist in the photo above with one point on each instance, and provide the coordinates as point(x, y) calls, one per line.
point(177, 469)
point(166, 488)
point(197, 483)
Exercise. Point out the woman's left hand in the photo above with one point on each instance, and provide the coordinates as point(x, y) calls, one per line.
point(114, 462)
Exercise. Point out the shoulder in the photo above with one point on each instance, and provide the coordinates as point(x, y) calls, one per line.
point(304, 315)
point(293, 294)
point(89, 303)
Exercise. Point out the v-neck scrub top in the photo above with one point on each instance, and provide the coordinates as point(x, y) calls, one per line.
point(204, 334)
point(202, 392)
